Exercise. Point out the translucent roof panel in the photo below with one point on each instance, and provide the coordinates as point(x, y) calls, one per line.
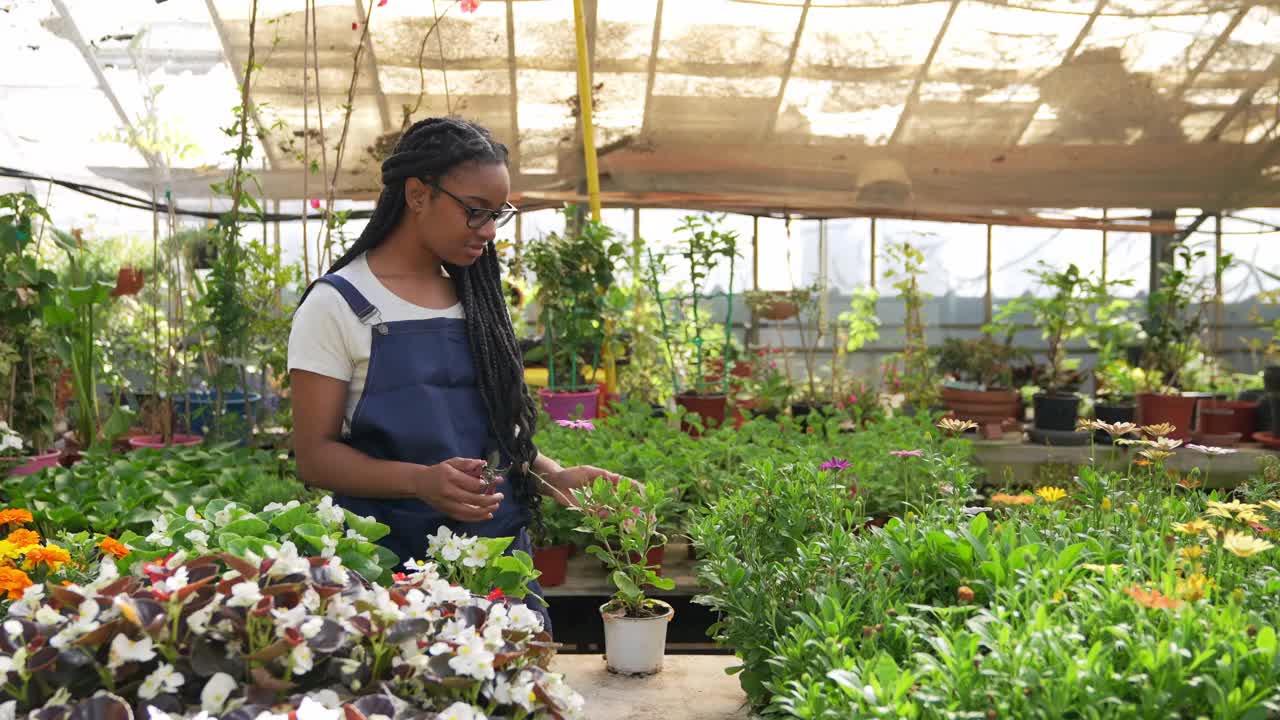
point(827, 107)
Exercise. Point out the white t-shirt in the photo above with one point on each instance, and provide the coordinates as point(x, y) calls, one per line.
point(328, 339)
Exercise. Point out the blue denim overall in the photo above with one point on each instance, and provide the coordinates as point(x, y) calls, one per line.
point(421, 405)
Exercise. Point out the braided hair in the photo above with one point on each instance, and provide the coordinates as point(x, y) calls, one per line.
point(429, 150)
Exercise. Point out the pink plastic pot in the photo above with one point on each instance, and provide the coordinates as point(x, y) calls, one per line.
point(571, 405)
point(35, 463)
point(157, 441)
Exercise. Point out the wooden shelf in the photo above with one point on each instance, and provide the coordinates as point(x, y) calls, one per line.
point(587, 578)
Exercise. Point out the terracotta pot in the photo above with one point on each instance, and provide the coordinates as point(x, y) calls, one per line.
point(128, 282)
point(33, 463)
point(652, 559)
point(157, 441)
point(1173, 409)
point(553, 563)
point(982, 407)
point(778, 310)
point(711, 408)
point(565, 405)
point(1223, 417)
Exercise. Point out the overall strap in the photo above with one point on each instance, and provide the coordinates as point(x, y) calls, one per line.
point(359, 304)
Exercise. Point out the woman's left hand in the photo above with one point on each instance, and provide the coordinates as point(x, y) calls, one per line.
point(570, 479)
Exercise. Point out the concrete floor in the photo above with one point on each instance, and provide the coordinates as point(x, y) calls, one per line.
point(690, 687)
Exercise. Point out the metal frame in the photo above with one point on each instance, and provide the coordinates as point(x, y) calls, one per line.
point(1218, 42)
point(1244, 101)
point(96, 68)
point(513, 102)
point(263, 135)
point(652, 69)
point(371, 60)
point(1067, 57)
point(771, 124)
point(913, 97)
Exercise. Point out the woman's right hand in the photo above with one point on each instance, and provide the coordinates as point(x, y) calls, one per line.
point(456, 488)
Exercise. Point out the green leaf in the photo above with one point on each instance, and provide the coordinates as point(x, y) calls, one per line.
point(1266, 640)
point(290, 519)
point(624, 585)
point(372, 530)
point(978, 524)
point(250, 526)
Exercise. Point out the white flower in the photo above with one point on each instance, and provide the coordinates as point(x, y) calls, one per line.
point(334, 572)
point(452, 549)
point(459, 711)
point(356, 536)
point(473, 659)
point(1210, 450)
point(522, 619)
point(6, 665)
point(384, 607)
point(516, 691)
point(198, 621)
point(477, 555)
point(312, 710)
point(436, 543)
point(328, 698)
point(222, 518)
point(245, 594)
point(215, 693)
point(300, 659)
point(287, 560)
point(32, 598)
point(176, 560)
point(329, 513)
point(162, 679)
point(48, 616)
point(107, 574)
point(330, 546)
point(561, 694)
point(154, 713)
point(311, 627)
point(9, 710)
point(124, 650)
point(13, 627)
point(288, 618)
point(174, 582)
point(199, 538)
point(419, 566)
point(311, 600)
point(272, 507)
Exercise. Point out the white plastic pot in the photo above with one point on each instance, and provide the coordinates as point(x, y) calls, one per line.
point(635, 646)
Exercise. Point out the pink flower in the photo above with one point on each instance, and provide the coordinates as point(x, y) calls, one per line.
point(355, 26)
point(907, 453)
point(834, 464)
point(382, 2)
point(629, 525)
point(576, 424)
point(636, 511)
point(469, 6)
point(315, 202)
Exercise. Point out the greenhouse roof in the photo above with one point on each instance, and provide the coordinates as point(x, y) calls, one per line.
point(824, 107)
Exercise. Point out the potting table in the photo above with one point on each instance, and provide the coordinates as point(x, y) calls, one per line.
point(575, 605)
point(1026, 464)
point(690, 687)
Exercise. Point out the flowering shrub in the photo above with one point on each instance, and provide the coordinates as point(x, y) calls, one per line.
point(477, 563)
point(222, 636)
point(24, 554)
point(11, 443)
point(621, 519)
point(321, 528)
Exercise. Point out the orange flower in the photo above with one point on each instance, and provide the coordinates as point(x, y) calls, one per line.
point(113, 547)
point(15, 516)
point(1142, 462)
point(1152, 598)
point(13, 581)
point(1006, 499)
point(52, 555)
point(23, 538)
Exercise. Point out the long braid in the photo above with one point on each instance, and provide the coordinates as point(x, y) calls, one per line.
point(429, 150)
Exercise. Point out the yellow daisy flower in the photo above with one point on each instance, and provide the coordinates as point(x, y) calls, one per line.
point(1051, 494)
point(1243, 545)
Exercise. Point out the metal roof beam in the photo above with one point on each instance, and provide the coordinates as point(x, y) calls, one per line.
point(264, 136)
point(1244, 101)
point(513, 102)
point(652, 69)
point(1067, 57)
point(914, 96)
point(384, 107)
point(772, 125)
point(69, 25)
point(1218, 42)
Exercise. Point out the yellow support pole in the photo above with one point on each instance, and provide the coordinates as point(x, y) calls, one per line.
point(586, 112)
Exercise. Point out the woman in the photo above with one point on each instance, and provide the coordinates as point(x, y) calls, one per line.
point(407, 379)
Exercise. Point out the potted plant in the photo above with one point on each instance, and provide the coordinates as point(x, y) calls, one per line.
point(1063, 314)
point(705, 246)
point(978, 383)
point(553, 542)
point(574, 271)
point(77, 316)
point(29, 367)
point(622, 518)
point(1172, 332)
point(767, 391)
point(776, 304)
point(915, 381)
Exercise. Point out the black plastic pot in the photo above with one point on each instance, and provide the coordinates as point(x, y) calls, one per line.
point(1271, 378)
point(1269, 413)
point(1056, 411)
point(1115, 412)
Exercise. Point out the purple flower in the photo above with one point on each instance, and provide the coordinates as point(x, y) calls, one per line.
point(907, 453)
point(834, 465)
point(576, 424)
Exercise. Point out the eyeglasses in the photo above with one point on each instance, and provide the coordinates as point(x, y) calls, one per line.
point(477, 217)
